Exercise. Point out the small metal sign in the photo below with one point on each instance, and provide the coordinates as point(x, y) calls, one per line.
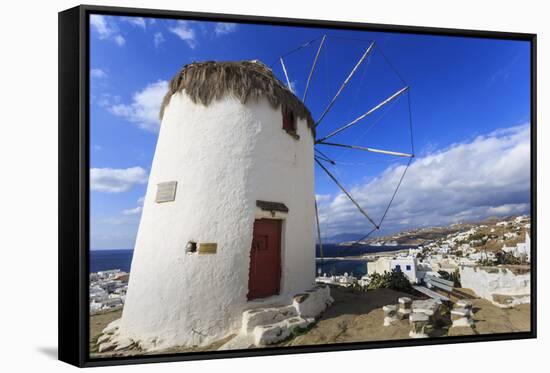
point(166, 192)
point(208, 247)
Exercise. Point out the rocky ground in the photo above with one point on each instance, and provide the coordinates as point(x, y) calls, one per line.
point(354, 317)
point(98, 322)
point(490, 319)
point(357, 316)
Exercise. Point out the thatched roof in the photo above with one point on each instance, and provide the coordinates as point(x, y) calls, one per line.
point(205, 82)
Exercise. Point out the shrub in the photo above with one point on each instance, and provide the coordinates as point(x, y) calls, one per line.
point(454, 277)
point(503, 257)
point(356, 287)
point(486, 262)
point(395, 280)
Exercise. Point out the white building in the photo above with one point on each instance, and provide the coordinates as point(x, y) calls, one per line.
point(228, 217)
point(521, 218)
point(438, 263)
point(522, 249)
point(444, 249)
point(482, 255)
point(510, 235)
point(97, 294)
point(407, 265)
point(415, 251)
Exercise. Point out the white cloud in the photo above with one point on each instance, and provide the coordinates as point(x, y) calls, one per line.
point(145, 106)
point(136, 21)
point(186, 33)
point(99, 23)
point(119, 40)
point(107, 100)
point(113, 180)
point(106, 29)
point(467, 181)
point(114, 232)
point(134, 211)
point(98, 73)
point(225, 28)
point(320, 198)
point(158, 38)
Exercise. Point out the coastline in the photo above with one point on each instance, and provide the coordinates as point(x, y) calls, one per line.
point(367, 256)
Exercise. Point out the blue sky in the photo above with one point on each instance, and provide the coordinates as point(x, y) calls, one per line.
point(469, 106)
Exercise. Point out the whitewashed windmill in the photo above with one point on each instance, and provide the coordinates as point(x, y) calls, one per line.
point(227, 223)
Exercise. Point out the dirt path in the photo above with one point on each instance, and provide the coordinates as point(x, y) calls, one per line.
point(490, 319)
point(355, 317)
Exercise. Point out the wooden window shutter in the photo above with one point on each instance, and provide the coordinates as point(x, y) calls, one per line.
point(289, 123)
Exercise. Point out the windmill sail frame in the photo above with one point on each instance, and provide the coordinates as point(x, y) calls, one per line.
point(320, 156)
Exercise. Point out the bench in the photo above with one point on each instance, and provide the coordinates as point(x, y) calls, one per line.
point(432, 294)
point(441, 284)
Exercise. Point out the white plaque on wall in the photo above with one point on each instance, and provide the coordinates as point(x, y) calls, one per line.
point(166, 192)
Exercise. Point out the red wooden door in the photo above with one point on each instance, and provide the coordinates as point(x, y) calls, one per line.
point(264, 277)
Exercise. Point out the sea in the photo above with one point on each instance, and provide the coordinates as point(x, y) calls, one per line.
point(104, 260)
point(334, 260)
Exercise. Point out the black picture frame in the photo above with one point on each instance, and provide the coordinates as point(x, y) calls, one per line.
point(74, 184)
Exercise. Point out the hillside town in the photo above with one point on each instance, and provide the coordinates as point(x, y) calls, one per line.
point(470, 252)
point(107, 290)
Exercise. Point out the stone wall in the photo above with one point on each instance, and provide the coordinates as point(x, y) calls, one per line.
point(504, 287)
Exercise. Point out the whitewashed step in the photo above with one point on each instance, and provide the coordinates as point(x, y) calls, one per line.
point(267, 325)
point(273, 333)
point(264, 316)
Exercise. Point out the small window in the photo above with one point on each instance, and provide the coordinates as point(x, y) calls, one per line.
point(289, 123)
point(398, 268)
point(408, 267)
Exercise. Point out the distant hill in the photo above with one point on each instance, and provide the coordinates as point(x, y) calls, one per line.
point(419, 236)
point(343, 237)
point(487, 226)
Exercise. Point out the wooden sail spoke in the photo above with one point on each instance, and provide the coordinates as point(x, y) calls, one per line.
point(313, 67)
point(286, 75)
point(345, 83)
point(323, 155)
point(368, 149)
point(318, 230)
point(346, 193)
point(325, 159)
point(363, 116)
point(365, 236)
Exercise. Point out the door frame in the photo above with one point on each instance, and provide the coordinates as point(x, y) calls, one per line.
point(260, 214)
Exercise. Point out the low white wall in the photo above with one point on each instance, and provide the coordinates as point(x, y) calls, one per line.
point(488, 282)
